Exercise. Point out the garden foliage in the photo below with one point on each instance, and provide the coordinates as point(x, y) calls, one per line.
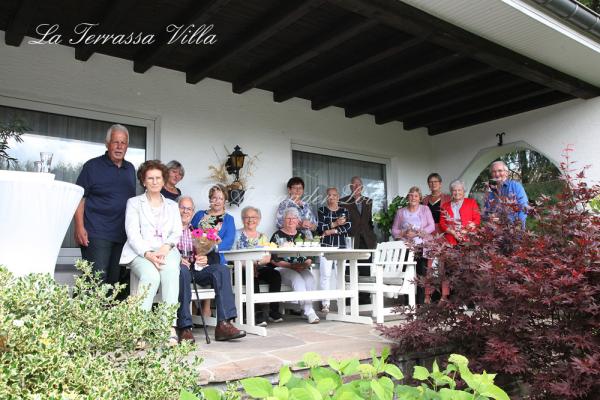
point(351, 380)
point(55, 346)
point(524, 303)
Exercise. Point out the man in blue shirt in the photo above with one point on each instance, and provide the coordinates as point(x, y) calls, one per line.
point(108, 182)
point(506, 189)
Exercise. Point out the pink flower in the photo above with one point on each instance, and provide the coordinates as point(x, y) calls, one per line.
point(198, 233)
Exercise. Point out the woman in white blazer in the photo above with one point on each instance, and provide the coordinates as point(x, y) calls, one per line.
point(153, 228)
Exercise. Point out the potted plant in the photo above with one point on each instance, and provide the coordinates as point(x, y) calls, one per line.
point(385, 218)
point(11, 130)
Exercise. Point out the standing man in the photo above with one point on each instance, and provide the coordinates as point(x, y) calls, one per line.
point(360, 209)
point(502, 187)
point(108, 182)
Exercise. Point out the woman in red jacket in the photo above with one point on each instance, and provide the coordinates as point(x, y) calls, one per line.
point(458, 216)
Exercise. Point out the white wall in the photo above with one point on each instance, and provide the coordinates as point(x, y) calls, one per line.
point(196, 120)
point(548, 130)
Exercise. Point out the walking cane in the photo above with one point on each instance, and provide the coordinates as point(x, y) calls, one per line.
point(199, 303)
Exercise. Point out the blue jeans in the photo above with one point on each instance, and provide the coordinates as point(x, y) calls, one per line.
point(216, 276)
point(105, 256)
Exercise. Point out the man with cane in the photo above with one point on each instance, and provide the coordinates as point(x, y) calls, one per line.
point(203, 270)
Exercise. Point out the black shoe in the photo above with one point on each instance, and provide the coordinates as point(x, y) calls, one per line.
point(275, 316)
point(260, 320)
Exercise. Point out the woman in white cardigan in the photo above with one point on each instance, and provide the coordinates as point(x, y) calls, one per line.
point(153, 228)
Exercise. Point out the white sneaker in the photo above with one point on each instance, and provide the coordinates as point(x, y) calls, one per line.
point(313, 318)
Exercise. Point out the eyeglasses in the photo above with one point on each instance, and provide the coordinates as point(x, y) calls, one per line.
point(187, 209)
point(433, 181)
point(249, 218)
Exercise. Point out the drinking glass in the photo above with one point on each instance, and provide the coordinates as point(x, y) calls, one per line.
point(37, 166)
point(46, 159)
point(280, 242)
point(349, 242)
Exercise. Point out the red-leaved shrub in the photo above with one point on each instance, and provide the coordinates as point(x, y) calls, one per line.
point(524, 303)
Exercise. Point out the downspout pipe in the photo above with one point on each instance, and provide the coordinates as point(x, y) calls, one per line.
point(575, 13)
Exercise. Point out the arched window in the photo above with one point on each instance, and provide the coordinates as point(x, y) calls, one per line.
point(536, 172)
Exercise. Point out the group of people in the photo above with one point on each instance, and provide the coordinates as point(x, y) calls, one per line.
point(454, 215)
point(150, 235)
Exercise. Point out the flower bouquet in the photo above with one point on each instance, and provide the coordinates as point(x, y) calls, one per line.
point(204, 240)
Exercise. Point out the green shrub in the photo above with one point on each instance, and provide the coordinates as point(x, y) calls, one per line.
point(384, 219)
point(56, 346)
point(351, 380)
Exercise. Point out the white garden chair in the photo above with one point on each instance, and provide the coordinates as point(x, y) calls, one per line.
point(392, 273)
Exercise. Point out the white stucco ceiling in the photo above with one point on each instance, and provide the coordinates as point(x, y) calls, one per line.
point(524, 28)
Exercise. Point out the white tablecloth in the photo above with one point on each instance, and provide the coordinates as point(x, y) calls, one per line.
point(35, 213)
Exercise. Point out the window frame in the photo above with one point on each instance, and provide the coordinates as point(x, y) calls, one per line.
point(68, 255)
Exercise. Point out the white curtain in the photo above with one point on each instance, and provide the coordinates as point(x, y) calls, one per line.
point(321, 171)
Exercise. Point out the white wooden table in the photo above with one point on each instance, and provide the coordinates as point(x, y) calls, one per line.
point(246, 257)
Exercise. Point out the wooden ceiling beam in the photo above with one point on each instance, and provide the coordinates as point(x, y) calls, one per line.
point(416, 22)
point(375, 84)
point(18, 26)
point(424, 88)
point(266, 27)
point(477, 105)
point(318, 45)
point(197, 14)
point(448, 97)
point(113, 17)
point(336, 72)
point(522, 106)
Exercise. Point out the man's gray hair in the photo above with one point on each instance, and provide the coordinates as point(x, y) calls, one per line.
point(291, 210)
point(186, 197)
point(116, 128)
point(174, 164)
point(455, 183)
point(499, 162)
point(250, 208)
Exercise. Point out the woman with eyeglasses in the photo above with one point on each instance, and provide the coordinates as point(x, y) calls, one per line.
point(153, 228)
point(217, 217)
point(295, 271)
point(333, 226)
point(436, 198)
point(249, 237)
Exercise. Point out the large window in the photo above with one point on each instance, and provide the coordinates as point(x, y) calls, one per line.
point(322, 171)
point(72, 140)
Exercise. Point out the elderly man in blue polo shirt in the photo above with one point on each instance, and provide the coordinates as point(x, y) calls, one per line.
point(108, 182)
point(505, 188)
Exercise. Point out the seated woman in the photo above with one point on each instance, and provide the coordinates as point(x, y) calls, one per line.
point(153, 229)
point(247, 238)
point(333, 225)
point(216, 217)
point(459, 216)
point(176, 173)
point(295, 270)
point(414, 222)
point(203, 270)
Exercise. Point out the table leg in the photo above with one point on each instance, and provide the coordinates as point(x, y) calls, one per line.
point(354, 287)
point(250, 293)
point(341, 285)
point(237, 291)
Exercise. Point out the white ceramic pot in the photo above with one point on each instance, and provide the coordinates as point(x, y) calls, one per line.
point(35, 213)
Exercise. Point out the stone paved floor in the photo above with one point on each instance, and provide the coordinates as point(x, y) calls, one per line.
point(285, 344)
